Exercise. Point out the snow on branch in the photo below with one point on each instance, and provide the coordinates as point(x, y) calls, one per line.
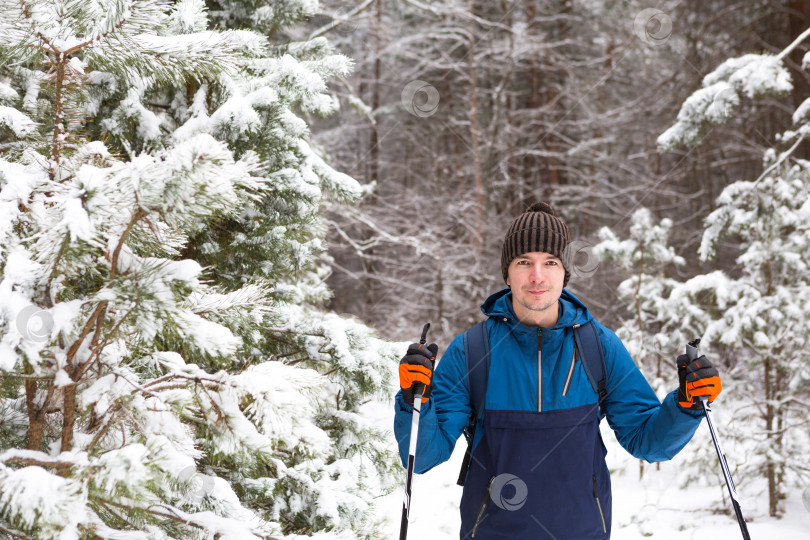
point(752, 75)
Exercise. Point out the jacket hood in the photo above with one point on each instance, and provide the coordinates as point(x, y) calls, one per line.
point(572, 310)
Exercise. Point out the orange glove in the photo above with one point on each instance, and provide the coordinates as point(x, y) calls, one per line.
point(416, 371)
point(697, 378)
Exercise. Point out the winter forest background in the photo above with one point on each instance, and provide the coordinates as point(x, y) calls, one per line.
point(221, 220)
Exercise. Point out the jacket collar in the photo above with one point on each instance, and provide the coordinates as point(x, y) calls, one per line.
point(572, 310)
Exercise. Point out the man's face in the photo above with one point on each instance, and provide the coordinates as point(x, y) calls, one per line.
point(536, 279)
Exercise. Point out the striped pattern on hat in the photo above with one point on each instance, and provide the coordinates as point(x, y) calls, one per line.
point(537, 229)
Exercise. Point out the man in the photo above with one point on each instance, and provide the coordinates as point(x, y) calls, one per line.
point(538, 462)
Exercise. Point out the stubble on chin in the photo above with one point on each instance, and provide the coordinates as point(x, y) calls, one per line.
point(536, 306)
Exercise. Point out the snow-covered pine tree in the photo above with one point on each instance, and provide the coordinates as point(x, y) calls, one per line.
point(166, 367)
point(767, 318)
point(644, 256)
point(760, 315)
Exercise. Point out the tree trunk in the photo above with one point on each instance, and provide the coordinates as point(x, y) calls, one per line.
point(374, 143)
point(475, 130)
point(69, 416)
point(35, 414)
point(770, 466)
point(369, 269)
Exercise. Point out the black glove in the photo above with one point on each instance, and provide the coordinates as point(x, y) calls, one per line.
point(416, 371)
point(697, 378)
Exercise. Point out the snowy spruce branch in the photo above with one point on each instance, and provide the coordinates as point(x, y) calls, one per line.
point(167, 368)
point(757, 318)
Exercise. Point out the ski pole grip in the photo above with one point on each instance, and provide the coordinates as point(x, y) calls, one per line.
point(692, 354)
point(692, 349)
point(419, 388)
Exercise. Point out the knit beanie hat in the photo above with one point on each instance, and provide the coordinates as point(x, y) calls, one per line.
point(537, 229)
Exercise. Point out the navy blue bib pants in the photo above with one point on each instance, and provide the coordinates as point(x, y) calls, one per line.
point(538, 476)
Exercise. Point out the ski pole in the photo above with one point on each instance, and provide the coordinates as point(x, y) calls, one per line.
point(692, 354)
point(417, 407)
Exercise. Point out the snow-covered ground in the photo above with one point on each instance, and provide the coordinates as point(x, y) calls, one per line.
point(653, 507)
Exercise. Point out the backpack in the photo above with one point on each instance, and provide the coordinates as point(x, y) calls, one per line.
point(476, 353)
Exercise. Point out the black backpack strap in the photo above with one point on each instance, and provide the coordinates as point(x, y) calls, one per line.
point(476, 355)
point(593, 358)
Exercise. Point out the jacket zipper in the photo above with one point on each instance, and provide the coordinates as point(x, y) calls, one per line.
point(480, 517)
point(539, 369)
point(570, 375)
point(599, 506)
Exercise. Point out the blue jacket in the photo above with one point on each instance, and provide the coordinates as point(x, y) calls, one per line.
point(645, 427)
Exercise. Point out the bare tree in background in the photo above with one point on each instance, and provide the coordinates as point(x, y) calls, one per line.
point(540, 100)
